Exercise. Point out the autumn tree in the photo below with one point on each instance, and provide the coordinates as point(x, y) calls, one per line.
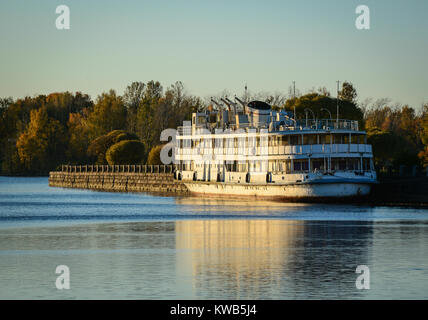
point(79, 138)
point(41, 145)
point(109, 113)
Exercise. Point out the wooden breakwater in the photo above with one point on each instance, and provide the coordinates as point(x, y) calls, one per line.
point(120, 178)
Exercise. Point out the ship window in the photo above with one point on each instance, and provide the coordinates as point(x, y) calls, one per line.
point(294, 140)
point(346, 138)
point(342, 164)
point(317, 164)
point(301, 165)
point(274, 141)
point(285, 140)
point(352, 164)
point(340, 138)
point(357, 139)
point(325, 138)
point(309, 139)
point(366, 164)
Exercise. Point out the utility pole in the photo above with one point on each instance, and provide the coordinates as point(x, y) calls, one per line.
point(294, 102)
point(337, 111)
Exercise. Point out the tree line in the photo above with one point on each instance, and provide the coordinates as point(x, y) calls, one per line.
point(39, 133)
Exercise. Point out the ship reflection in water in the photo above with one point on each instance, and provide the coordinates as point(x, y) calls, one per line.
point(299, 259)
point(259, 259)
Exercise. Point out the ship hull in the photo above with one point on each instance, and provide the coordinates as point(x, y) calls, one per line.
point(304, 191)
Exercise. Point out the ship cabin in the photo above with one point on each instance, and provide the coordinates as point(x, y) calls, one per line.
point(254, 144)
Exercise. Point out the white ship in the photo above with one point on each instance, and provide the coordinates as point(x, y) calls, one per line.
point(247, 149)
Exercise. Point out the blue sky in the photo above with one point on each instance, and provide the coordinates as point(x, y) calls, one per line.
point(216, 45)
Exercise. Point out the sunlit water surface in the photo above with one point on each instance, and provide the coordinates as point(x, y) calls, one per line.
point(139, 246)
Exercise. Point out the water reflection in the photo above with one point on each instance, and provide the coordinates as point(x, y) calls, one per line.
point(216, 259)
point(145, 247)
point(239, 206)
point(260, 258)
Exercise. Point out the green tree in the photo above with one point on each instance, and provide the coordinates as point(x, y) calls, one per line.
point(391, 149)
point(125, 152)
point(348, 92)
point(316, 102)
point(423, 154)
point(146, 111)
point(109, 113)
point(78, 133)
point(154, 155)
point(98, 148)
point(133, 98)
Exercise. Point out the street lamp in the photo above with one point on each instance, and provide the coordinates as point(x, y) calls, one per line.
point(313, 114)
point(324, 109)
point(331, 119)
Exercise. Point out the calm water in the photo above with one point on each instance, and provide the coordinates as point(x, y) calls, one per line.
point(139, 246)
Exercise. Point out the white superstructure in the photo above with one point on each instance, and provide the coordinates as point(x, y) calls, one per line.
point(252, 150)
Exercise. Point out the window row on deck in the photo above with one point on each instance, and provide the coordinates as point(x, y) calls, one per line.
point(287, 165)
point(272, 140)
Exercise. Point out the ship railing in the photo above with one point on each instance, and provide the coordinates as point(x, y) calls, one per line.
point(300, 125)
point(326, 124)
point(127, 168)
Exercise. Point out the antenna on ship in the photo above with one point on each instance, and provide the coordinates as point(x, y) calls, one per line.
point(233, 104)
point(241, 102)
point(294, 102)
point(216, 103)
point(226, 103)
point(246, 94)
point(337, 111)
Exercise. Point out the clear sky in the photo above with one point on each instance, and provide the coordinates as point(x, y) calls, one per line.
point(216, 45)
